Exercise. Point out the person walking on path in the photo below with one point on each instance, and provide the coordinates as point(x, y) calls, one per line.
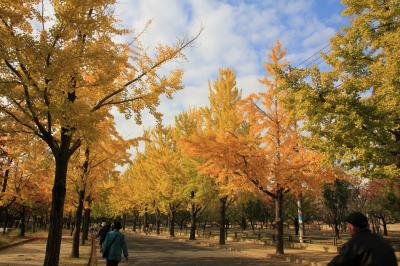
point(364, 248)
point(114, 245)
point(103, 232)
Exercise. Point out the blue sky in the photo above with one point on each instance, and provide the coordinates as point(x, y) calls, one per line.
point(237, 34)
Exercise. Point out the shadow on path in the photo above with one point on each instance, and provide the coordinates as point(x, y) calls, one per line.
point(151, 250)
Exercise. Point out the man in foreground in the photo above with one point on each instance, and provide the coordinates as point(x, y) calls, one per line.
point(364, 248)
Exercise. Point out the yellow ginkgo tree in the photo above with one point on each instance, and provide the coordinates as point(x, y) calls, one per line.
point(94, 162)
point(219, 125)
point(61, 73)
point(275, 160)
point(199, 189)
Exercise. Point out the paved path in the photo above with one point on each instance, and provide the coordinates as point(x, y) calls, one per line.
point(152, 250)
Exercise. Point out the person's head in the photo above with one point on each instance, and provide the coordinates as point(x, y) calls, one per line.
point(117, 225)
point(103, 224)
point(356, 221)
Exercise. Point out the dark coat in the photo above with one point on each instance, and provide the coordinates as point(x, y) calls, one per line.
point(365, 249)
point(102, 234)
point(115, 244)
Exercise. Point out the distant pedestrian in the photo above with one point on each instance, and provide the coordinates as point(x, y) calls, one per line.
point(114, 245)
point(364, 248)
point(105, 227)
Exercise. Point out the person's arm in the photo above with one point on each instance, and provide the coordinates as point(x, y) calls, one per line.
point(346, 257)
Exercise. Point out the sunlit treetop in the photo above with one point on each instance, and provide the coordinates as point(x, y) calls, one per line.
point(65, 69)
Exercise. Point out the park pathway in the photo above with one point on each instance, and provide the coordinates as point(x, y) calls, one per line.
point(153, 250)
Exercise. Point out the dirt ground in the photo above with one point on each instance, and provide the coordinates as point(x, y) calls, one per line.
point(32, 253)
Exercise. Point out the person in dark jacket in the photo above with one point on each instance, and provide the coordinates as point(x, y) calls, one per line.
point(364, 248)
point(114, 245)
point(103, 232)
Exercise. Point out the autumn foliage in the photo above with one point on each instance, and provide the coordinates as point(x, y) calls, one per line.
point(63, 76)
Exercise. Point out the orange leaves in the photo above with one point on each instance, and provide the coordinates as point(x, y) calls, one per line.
point(25, 179)
point(216, 139)
point(276, 55)
point(286, 163)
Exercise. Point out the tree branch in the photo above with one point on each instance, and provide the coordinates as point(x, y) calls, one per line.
point(18, 120)
point(265, 113)
point(125, 101)
point(145, 73)
point(74, 147)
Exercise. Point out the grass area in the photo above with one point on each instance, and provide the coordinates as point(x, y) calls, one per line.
point(32, 253)
point(13, 237)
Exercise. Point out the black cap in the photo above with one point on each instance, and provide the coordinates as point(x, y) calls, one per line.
point(357, 219)
point(117, 225)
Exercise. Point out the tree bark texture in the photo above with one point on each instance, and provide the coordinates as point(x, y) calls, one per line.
point(57, 206)
point(279, 221)
point(22, 222)
point(222, 212)
point(77, 227)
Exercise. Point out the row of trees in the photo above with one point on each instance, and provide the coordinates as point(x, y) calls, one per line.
point(62, 73)
point(252, 211)
point(233, 146)
point(307, 131)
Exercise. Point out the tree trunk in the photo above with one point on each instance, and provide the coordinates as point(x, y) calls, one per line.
point(158, 220)
point(45, 222)
point(226, 229)
point(5, 180)
point(33, 223)
point(172, 221)
point(86, 223)
point(135, 217)
point(145, 221)
point(243, 224)
point(57, 203)
point(124, 221)
point(140, 225)
point(375, 225)
point(181, 222)
point(69, 220)
point(297, 228)
point(222, 210)
point(5, 221)
point(252, 225)
point(336, 228)
point(193, 216)
point(279, 221)
point(22, 222)
point(77, 227)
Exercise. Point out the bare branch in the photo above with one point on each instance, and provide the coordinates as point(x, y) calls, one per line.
point(74, 146)
point(140, 33)
point(261, 110)
point(100, 162)
point(125, 101)
point(145, 73)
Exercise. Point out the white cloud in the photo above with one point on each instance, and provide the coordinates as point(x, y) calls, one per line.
point(236, 35)
point(337, 19)
point(319, 37)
